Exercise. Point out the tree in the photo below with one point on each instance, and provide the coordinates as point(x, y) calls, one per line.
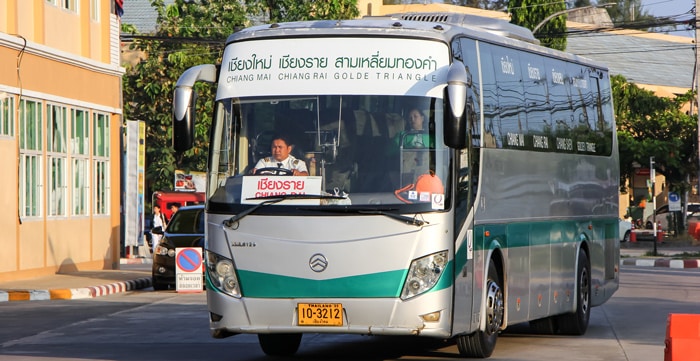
point(625, 13)
point(192, 32)
point(651, 126)
point(295, 10)
point(495, 5)
point(529, 13)
point(148, 85)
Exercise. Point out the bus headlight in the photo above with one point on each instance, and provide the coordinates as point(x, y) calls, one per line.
point(424, 274)
point(222, 274)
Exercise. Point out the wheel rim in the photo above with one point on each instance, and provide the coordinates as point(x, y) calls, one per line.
point(494, 308)
point(584, 291)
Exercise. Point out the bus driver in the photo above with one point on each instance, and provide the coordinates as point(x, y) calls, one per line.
point(281, 159)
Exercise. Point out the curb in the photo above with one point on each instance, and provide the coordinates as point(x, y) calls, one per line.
point(75, 293)
point(136, 261)
point(668, 263)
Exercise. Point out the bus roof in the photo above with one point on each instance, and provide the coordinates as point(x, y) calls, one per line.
point(436, 26)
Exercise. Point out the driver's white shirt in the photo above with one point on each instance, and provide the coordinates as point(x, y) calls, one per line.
point(290, 163)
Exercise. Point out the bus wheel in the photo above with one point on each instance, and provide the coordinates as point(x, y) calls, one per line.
point(576, 323)
point(482, 343)
point(279, 344)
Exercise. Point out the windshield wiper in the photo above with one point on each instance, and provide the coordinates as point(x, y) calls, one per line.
point(383, 212)
point(405, 219)
point(272, 200)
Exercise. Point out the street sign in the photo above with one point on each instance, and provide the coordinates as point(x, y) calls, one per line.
point(674, 202)
point(188, 269)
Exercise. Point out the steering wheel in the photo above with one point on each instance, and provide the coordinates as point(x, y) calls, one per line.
point(274, 171)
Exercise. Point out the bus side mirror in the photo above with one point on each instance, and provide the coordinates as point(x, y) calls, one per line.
point(183, 128)
point(455, 125)
point(184, 100)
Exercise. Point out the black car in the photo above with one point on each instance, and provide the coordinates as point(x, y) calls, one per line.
point(185, 229)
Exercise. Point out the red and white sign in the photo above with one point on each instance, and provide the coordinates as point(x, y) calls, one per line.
point(270, 186)
point(188, 269)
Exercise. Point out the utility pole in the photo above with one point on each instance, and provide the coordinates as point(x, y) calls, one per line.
point(697, 86)
point(652, 190)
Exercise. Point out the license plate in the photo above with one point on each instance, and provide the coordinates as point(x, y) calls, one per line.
point(320, 314)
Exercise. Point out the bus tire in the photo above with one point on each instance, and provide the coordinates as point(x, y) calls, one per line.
point(576, 323)
point(279, 344)
point(482, 343)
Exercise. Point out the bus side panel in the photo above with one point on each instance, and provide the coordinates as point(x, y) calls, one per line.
point(605, 252)
point(564, 251)
point(547, 201)
point(466, 287)
point(518, 281)
point(541, 256)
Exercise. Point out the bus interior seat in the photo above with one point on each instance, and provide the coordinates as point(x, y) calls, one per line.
point(342, 171)
point(260, 145)
point(373, 131)
point(395, 124)
point(296, 125)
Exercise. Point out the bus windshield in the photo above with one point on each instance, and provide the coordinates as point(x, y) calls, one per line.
point(385, 152)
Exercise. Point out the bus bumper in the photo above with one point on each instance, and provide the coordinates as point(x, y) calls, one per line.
point(388, 316)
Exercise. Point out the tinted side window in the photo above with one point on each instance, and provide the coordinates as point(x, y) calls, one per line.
point(471, 63)
point(493, 135)
point(537, 109)
point(561, 105)
point(509, 82)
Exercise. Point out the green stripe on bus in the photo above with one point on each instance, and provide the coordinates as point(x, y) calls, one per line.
point(526, 234)
point(375, 285)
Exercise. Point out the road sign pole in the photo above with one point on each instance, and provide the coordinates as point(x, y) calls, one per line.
point(652, 178)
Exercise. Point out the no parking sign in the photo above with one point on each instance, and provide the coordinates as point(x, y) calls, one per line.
point(188, 269)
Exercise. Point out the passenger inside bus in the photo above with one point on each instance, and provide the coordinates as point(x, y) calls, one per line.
point(417, 134)
point(280, 161)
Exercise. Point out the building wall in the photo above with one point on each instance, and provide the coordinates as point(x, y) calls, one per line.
point(57, 56)
point(376, 8)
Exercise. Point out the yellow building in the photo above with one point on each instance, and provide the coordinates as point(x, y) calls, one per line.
point(60, 125)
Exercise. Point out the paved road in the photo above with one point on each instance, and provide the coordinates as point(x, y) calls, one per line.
point(148, 325)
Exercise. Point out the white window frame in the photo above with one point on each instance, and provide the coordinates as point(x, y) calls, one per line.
point(95, 10)
point(7, 115)
point(56, 159)
point(101, 163)
point(31, 160)
point(70, 5)
point(80, 157)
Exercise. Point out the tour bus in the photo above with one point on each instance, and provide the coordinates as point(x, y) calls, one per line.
point(506, 214)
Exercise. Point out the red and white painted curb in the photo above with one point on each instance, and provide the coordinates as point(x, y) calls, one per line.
point(75, 293)
point(660, 262)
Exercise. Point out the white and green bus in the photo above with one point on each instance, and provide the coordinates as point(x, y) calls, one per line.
point(506, 213)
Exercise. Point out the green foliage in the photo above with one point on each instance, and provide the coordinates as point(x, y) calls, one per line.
point(626, 12)
point(148, 85)
point(295, 10)
point(529, 13)
point(651, 126)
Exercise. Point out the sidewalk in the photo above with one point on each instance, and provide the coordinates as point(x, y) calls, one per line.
point(135, 273)
point(668, 254)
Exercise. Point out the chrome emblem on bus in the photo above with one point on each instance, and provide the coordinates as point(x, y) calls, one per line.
point(318, 262)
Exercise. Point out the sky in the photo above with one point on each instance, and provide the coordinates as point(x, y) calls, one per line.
point(660, 8)
point(667, 7)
